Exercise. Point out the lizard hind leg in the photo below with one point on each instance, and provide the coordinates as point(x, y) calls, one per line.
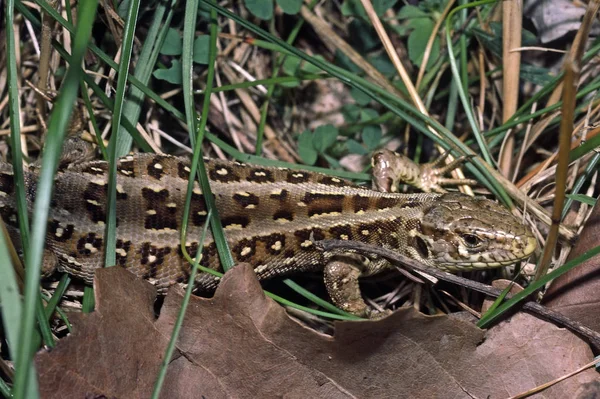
point(49, 263)
point(341, 276)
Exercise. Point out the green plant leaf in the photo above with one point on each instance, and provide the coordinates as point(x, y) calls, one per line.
point(528, 38)
point(172, 43)
point(310, 68)
point(342, 60)
point(353, 8)
point(291, 65)
point(383, 64)
point(324, 137)
point(354, 147)
point(363, 37)
point(409, 12)
point(262, 9)
point(417, 41)
point(351, 112)
point(490, 41)
point(305, 148)
point(201, 49)
point(493, 41)
point(382, 6)
point(360, 97)
point(366, 114)
point(171, 75)
point(290, 6)
point(536, 75)
point(371, 136)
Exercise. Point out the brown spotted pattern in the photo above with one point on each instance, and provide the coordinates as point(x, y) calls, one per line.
point(60, 232)
point(246, 200)
point(271, 218)
point(260, 175)
point(97, 169)
point(7, 185)
point(223, 174)
point(94, 200)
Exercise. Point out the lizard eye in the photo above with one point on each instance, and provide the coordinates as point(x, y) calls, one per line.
point(471, 240)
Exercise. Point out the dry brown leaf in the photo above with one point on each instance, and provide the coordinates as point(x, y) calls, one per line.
point(115, 350)
point(241, 344)
point(575, 293)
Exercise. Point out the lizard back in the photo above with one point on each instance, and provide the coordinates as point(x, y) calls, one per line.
point(271, 218)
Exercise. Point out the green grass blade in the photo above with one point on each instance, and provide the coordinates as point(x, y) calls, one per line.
point(395, 104)
point(17, 159)
point(56, 132)
point(15, 127)
point(315, 299)
point(462, 92)
point(110, 236)
point(243, 157)
point(272, 81)
point(271, 88)
point(491, 316)
point(12, 307)
point(143, 70)
point(60, 313)
point(589, 146)
point(462, 42)
point(452, 105)
point(53, 302)
point(198, 129)
point(181, 315)
point(189, 31)
point(88, 300)
point(584, 199)
point(5, 389)
point(12, 313)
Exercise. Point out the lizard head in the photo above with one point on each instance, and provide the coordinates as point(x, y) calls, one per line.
point(461, 232)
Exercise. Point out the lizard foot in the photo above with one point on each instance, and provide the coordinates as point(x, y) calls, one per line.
point(341, 280)
point(390, 169)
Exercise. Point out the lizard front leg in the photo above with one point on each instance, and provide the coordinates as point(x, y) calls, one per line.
point(390, 169)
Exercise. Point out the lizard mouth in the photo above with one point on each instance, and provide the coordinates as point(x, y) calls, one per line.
point(530, 247)
point(520, 250)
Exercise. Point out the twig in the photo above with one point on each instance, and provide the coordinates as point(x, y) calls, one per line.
point(592, 336)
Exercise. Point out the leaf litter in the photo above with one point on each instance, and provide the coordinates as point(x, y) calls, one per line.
point(241, 344)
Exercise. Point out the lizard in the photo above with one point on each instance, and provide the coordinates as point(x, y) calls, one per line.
point(271, 218)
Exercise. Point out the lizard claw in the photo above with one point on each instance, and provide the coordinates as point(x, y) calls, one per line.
point(433, 174)
point(378, 315)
